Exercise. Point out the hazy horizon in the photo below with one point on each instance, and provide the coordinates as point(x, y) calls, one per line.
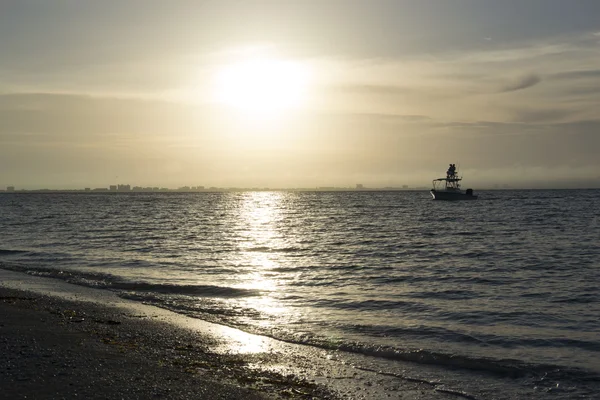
point(299, 94)
point(478, 185)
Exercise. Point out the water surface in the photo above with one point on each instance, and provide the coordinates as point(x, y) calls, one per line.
point(504, 287)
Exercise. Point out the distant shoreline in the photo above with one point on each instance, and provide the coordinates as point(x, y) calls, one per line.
point(217, 190)
point(226, 190)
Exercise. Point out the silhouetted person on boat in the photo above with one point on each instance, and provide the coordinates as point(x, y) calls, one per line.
point(451, 171)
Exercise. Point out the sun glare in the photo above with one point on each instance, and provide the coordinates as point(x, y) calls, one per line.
point(262, 86)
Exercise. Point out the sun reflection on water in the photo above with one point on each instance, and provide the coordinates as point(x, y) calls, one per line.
point(259, 215)
point(259, 238)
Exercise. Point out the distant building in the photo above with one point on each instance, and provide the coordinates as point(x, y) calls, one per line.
point(10, 188)
point(87, 189)
point(359, 186)
point(113, 188)
point(100, 190)
point(123, 188)
point(404, 186)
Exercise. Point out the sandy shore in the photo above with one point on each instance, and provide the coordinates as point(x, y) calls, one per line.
point(64, 341)
point(55, 349)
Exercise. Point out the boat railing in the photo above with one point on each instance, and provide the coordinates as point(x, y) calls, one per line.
point(449, 183)
point(449, 179)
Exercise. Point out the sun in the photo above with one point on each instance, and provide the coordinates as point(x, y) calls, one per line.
point(262, 86)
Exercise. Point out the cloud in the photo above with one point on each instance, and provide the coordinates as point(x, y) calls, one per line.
point(391, 117)
point(368, 89)
point(464, 85)
point(86, 118)
point(581, 74)
point(523, 82)
point(542, 115)
point(592, 90)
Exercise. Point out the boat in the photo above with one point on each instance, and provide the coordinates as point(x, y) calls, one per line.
point(448, 188)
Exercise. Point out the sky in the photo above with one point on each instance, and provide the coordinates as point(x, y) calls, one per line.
point(305, 93)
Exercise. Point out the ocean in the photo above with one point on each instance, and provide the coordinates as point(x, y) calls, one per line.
point(498, 296)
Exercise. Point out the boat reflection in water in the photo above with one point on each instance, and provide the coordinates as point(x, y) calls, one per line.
point(448, 188)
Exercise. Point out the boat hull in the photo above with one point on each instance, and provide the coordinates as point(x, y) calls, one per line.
point(445, 195)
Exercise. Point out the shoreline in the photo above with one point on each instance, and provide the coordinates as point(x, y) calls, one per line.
point(68, 341)
point(56, 348)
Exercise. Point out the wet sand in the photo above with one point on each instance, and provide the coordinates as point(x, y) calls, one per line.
point(61, 341)
point(54, 349)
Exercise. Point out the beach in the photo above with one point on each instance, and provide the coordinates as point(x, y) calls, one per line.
point(60, 345)
point(58, 349)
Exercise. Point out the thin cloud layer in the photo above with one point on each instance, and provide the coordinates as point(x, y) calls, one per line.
point(523, 82)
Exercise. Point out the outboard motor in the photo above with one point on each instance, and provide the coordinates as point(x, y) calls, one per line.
point(469, 192)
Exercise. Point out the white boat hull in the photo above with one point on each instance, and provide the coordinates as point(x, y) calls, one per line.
point(454, 195)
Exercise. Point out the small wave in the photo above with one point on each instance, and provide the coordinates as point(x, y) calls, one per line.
point(108, 281)
point(492, 281)
point(577, 299)
point(466, 233)
point(266, 249)
point(196, 290)
point(6, 252)
point(259, 249)
point(503, 367)
point(81, 278)
point(372, 304)
point(449, 294)
point(205, 308)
